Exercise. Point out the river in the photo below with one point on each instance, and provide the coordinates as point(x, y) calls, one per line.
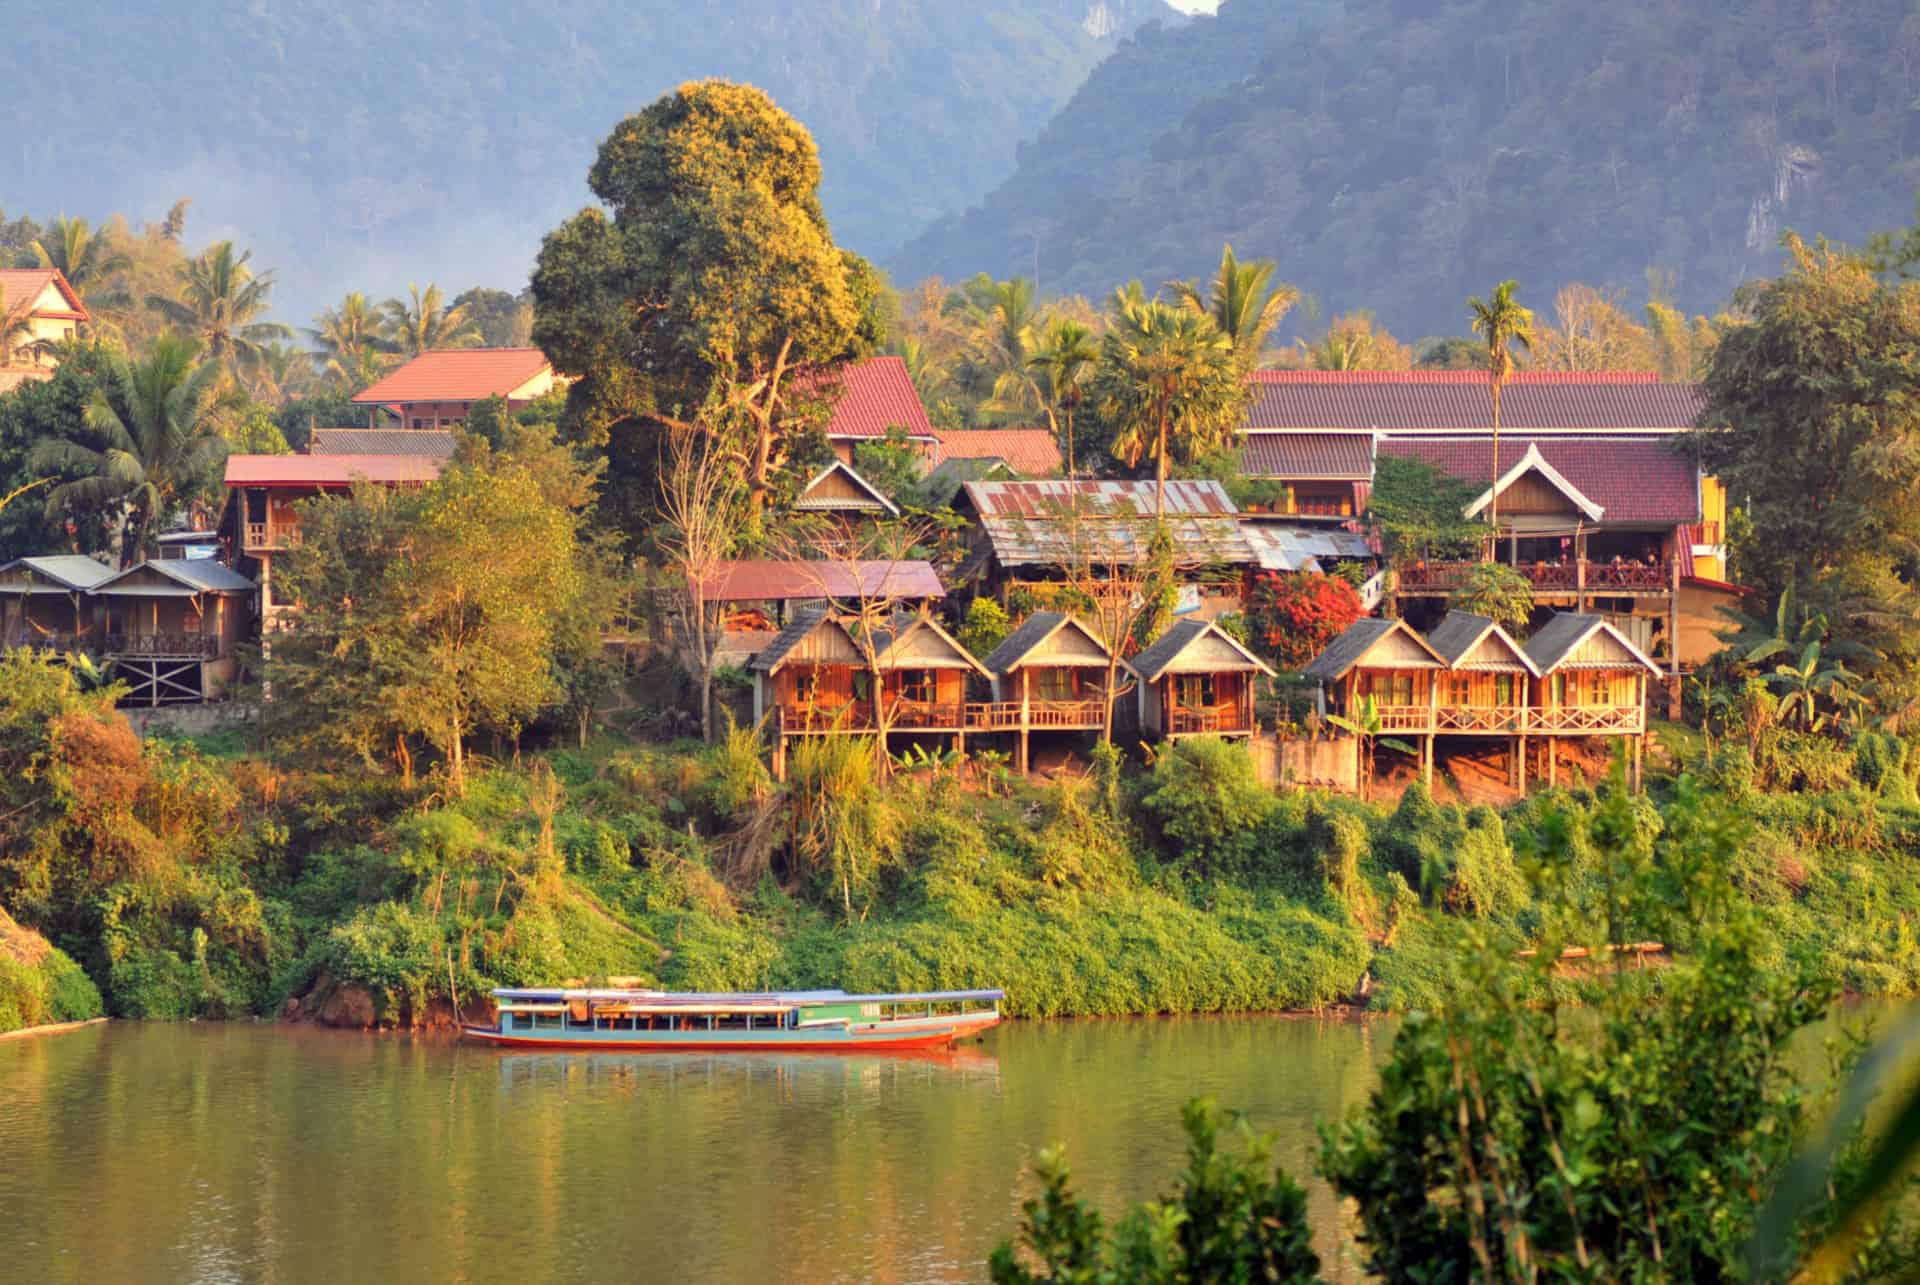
point(139, 1152)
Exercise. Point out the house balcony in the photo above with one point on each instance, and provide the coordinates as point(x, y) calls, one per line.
point(271, 535)
point(1509, 720)
point(162, 646)
point(48, 639)
point(1225, 720)
point(924, 716)
point(1631, 578)
point(1041, 715)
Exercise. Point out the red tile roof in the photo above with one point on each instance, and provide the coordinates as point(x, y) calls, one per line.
point(760, 580)
point(1457, 400)
point(874, 395)
point(1635, 480)
point(1322, 457)
point(21, 286)
point(328, 471)
point(456, 375)
point(1030, 452)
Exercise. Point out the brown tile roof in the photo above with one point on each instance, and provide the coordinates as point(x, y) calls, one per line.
point(430, 442)
point(332, 471)
point(873, 395)
point(456, 375)
point(1635, 480)
point(1457, 400)
point(1030, 452)
point(1320, 457)
point(21, 286)
point(762, 580)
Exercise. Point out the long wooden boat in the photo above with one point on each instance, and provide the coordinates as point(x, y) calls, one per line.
point(827, 1021)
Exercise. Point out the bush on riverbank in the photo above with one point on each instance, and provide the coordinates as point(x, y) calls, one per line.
point(38, 984)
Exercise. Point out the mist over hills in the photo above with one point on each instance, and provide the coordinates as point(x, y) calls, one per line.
point(365, 145)
point(1398, 155)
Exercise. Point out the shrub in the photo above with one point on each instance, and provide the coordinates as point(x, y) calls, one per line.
point(985, 627)
point(1293, 615)
point(1204, 795)
point(1881, 763)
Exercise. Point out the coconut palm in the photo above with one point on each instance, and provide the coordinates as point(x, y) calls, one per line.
point(423, 323)
point(354, 342)
point(1001, 321)
point(1504, 325)
point(16, 332)
point(1240, 302)
point(278, 372)
point(220, 303)
point(1168, 380)
point(1065, 358)
point(89, 260)
point(155, 422)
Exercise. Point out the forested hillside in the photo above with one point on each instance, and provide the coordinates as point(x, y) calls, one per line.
point(1398, 156)
point(441, 139)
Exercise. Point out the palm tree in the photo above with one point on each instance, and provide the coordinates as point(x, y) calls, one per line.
point(354, 342)
point(1505, 326)
point(1001, 321)
point(220, 303)
point(278, 372)
point(1240, 303)
point(156, 423)
point(1065, 358)
point(16, 332)
point(89, 260)
point(1167, 379)
point(424, 324)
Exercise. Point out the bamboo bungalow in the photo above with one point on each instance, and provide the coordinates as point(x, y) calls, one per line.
point(1486, 689)
point(170, 627)
point(1049, 675)
point(1389, 663)
point(1593, 682)
point(44, 603)
point(1197, 680)
point(815, 680)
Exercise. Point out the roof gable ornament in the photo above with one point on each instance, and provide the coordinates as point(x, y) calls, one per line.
point(1536, 462)
point(853, 480)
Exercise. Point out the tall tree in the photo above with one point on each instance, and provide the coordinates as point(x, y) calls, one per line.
point(1168, 381)
point(1064, 360)
point(704, 284)
point(1503, 325)
point(355, 342)
point(221, 304)
point(1240, 302)
point(422, 322)
point(89, 260)
point(1003, 324)
point(702, 514)
point(154, 433)
point(278, 372)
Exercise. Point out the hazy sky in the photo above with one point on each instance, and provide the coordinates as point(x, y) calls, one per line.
point(1195, 6)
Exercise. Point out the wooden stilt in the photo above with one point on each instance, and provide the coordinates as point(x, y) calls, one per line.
point(1427, 765)
point(1553, 765)
point(1639, 745)
point(1521, 760)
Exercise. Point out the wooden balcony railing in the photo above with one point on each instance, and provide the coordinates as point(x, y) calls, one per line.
point(198, 646)
point(1641, 576)
point(278, 535)
point(1503, 720)
point(1193, 722)
point(55, 639)
point(916, 716)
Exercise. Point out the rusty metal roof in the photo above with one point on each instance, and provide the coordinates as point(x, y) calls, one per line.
point(1048, 523)
point(763, 580)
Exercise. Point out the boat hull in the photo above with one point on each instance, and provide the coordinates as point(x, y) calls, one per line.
point(881, 1037)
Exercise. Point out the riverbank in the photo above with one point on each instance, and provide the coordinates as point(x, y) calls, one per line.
point(51, 1028)
point(41, 989)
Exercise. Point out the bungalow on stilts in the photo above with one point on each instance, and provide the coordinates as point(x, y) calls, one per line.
point(1197, 680)
point(1049, 675)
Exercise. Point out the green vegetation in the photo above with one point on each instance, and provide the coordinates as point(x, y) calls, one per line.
point(38, 984)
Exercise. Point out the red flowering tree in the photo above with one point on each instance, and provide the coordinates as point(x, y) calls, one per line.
point(1295, 614)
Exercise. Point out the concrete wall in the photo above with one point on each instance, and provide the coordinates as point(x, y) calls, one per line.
point(188, 720)
point(1298, 763)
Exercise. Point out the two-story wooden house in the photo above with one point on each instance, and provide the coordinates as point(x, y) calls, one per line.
point(168, 628)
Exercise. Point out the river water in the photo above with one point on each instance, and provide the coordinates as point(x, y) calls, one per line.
point(138, 1152)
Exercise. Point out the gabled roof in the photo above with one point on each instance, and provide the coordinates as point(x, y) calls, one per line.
point(1362, 637)
point(1309, 457)
point(329, 471)
point(1033, 633)
point(434, 443)
point(1032, 523)
point(1462, 632)
point(70, 571)
point(852, 493)
point(456, 375)
point(1028, 452)
point(1557, 640)
point(190, 576)
point(770, 657)
point(890, 642)
point(21, 286)
point(1165, 651)
point(1535, 462)
point(1636, 481)
point(869, 397)
point(763, 580)
point(1458, 400)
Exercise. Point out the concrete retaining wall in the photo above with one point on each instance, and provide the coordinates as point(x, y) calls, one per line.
point(1320, 764)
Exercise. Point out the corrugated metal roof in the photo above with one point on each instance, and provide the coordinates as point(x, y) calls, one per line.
point(1309, 457)
point(1049, 522)
point(762, 580)
point(1452, 400)
point(335, 471)
point(1635, 480)
point(456, 375)
point(435, 443)
point(1029, 452)
point(1159, 655)
point(871, 396)
point(70, 570)
point(1287, 548)
point(189, 576)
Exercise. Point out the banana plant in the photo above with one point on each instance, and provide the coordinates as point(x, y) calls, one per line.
point(1364, 723)
point(1802, 685)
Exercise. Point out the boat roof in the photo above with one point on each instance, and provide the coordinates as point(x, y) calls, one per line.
point(713, 998)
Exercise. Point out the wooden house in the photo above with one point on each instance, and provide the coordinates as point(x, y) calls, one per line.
point(1197, 680)
point(840, 491)
point(816, 678)
point(168, 627)
point(44, 602)
point(1049, 675)
point(1592, 682)
point(1389, 663)
point(439, 388)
